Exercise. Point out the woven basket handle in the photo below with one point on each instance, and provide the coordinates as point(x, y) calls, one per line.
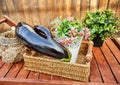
point(8, 21)
point(89, 52)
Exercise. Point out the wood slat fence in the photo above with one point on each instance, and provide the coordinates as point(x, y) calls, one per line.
point(42, 12)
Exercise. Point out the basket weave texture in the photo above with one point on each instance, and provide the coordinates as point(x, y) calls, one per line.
point(11, 48)
point(45, 64)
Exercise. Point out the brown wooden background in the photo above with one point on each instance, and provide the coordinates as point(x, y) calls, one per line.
point(42, 12)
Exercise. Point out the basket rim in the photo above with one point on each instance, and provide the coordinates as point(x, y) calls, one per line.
point(87, 64)
point(29, 56)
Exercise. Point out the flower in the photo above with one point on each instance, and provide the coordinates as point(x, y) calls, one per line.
point(67, 41)
point(72, 32)
point(85, 32)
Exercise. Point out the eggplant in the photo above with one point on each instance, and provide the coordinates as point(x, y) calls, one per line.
point(40, 39)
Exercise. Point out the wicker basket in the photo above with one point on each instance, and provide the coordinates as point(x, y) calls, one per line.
point(79, 71)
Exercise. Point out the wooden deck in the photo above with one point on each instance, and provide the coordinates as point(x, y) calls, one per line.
point(105, 66)
point(105, 70)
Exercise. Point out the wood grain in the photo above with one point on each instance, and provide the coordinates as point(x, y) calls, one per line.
point(114, 49)
point(46, 82)
point(76, 8)
point(117, 42)
point(59, 8)
point(4, 7)
point(103, 66)
point(42, 12)
point(84, 7)
point(33, 75)
point(95, 75)
point(14, 70)
point(45, 76)
point(112, 61)
point(113, 5)
point(27, 11)
point(93, 5)
point(118, 9)
point(11, 10)
point(34, 11)
point(19, 10)
point(4, 70)
point(103, 4)
point(5, 11)
point(1, 63)
point(50, 12)
point(23, 73)
point(67, 8)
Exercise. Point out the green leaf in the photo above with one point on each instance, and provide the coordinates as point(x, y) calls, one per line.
point(88, 21)
point(63, 35)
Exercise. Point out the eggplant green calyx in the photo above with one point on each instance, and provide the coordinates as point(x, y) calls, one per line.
point(67, 59)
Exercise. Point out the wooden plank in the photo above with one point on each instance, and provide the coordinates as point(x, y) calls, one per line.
point(23, 73)
point(14, 70)
point(118, 9)
point(114, 49)
point(95, 75)
point(1, 63)
point(78, 2)
point(19, 10)
point(57, 78)
point(115, 67)
point(117, 42)
point(58, 8)
point(84, 7)
point(33, 4)
point(1, 14)
point(1, 9)
point(103, 5)
point(93, 5)
point(4, 8)
point(76, 8)
point(67, 8)
point(46, 82)
point(42, 12)
point(27, 12)
point(33, 75)
point(50, 12)
point(11, 10)
point(67, 79)
point(45, 76)
point(113, 5)
point(103, 66)
point(5, 69)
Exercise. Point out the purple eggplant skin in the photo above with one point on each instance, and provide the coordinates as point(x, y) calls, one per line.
point(40, 39)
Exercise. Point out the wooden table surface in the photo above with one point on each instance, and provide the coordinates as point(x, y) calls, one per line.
point(105, 70)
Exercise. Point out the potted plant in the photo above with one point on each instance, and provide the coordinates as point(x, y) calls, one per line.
point(69, 33)
point(101, 25)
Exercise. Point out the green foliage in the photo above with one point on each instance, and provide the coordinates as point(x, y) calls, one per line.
point(64, 25)
point(101, 23)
